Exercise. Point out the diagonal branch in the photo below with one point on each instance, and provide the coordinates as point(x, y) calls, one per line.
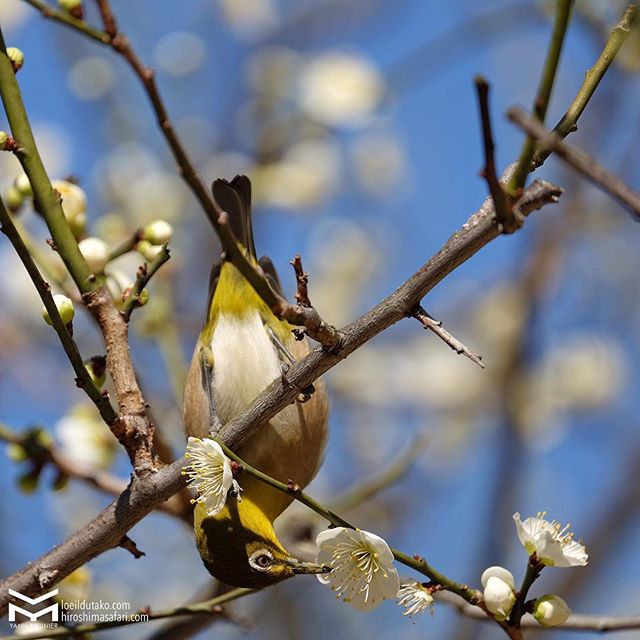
point(543, 94)
point(581, 161)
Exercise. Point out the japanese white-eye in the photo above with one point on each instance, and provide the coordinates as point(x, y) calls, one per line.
point(241, 350)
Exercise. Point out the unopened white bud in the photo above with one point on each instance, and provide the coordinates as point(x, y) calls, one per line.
point(22, 184)
point(4, 138)
point(74, 200)
point(551, 610)
point(13, 198)
point(65, 309)
point(499, 597)
point(17, 58)
point(147, 250)
point(498, 572)
point(95, 252)
point(158, 232)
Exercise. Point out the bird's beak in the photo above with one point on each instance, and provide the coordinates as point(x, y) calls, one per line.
point(298, 566)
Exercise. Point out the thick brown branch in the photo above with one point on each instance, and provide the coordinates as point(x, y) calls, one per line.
point(582, 162)
point(133, 427)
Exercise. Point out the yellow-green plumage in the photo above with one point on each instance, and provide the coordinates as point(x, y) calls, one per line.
point(237, 346)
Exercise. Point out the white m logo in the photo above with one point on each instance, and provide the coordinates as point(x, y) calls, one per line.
point(13, 609)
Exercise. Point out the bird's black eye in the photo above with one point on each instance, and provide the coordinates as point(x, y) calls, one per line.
point(261, 560)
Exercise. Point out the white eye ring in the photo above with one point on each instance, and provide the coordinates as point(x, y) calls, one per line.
point(261, 560)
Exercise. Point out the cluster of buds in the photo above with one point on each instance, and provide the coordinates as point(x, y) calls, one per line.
point(154, 236)
point(547, 544)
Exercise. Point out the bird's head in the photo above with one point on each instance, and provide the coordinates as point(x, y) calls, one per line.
point(239, 547)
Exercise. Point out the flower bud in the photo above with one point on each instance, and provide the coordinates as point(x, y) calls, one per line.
point(499, 597)
point(95, 252)
point(17, 58)
point(72, 7)
point(4, 138)
point(28, 482)
point(22, 184)
point(13, 198)
point(74, 203)
point(551, 610)
point(97, 368)
point(16, 452)
point(158, 232)
point(147, 250)
point(498, 572)
point(65, 309)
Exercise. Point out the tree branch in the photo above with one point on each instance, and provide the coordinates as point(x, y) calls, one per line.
point(541, 101)
point(581, 161)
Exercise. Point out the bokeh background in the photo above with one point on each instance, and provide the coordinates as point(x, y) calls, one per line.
point(357, 122)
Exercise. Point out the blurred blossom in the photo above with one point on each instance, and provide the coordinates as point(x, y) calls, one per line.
point(156, 195)
point(340, 88)
point(130, 177)
point(272, 71)
point(112, 228)
point(306, 175)
point(418, 372)
point(85, 438)
point(91, 78)
point(13, 14)
point(19, 296)
point(198, 135)
point(118, 282)
point(379, 162)
point(249, 18)
point(344, 258)
point(498, 318)
point(585, 373)
point(228, 164)
point(54, 148)
point(179, 53)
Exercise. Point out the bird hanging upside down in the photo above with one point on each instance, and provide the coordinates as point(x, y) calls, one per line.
point(241, 350)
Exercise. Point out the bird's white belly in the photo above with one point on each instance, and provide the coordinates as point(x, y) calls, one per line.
point(245, 363)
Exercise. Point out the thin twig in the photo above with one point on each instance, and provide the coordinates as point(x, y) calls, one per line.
point(618, 36)
point(502, 203)
point(145, 273)
point(545, 86)
point(128, 245)
point(428, 322)
point(579, 160)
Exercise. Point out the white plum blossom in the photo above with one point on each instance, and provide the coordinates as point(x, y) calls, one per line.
point(415, 598)
point(209, 472)
point(552, 543)
point(551, 610)
point(363, 573)
point(499, 596)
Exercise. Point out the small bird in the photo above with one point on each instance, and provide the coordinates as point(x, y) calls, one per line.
point(241, 350)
